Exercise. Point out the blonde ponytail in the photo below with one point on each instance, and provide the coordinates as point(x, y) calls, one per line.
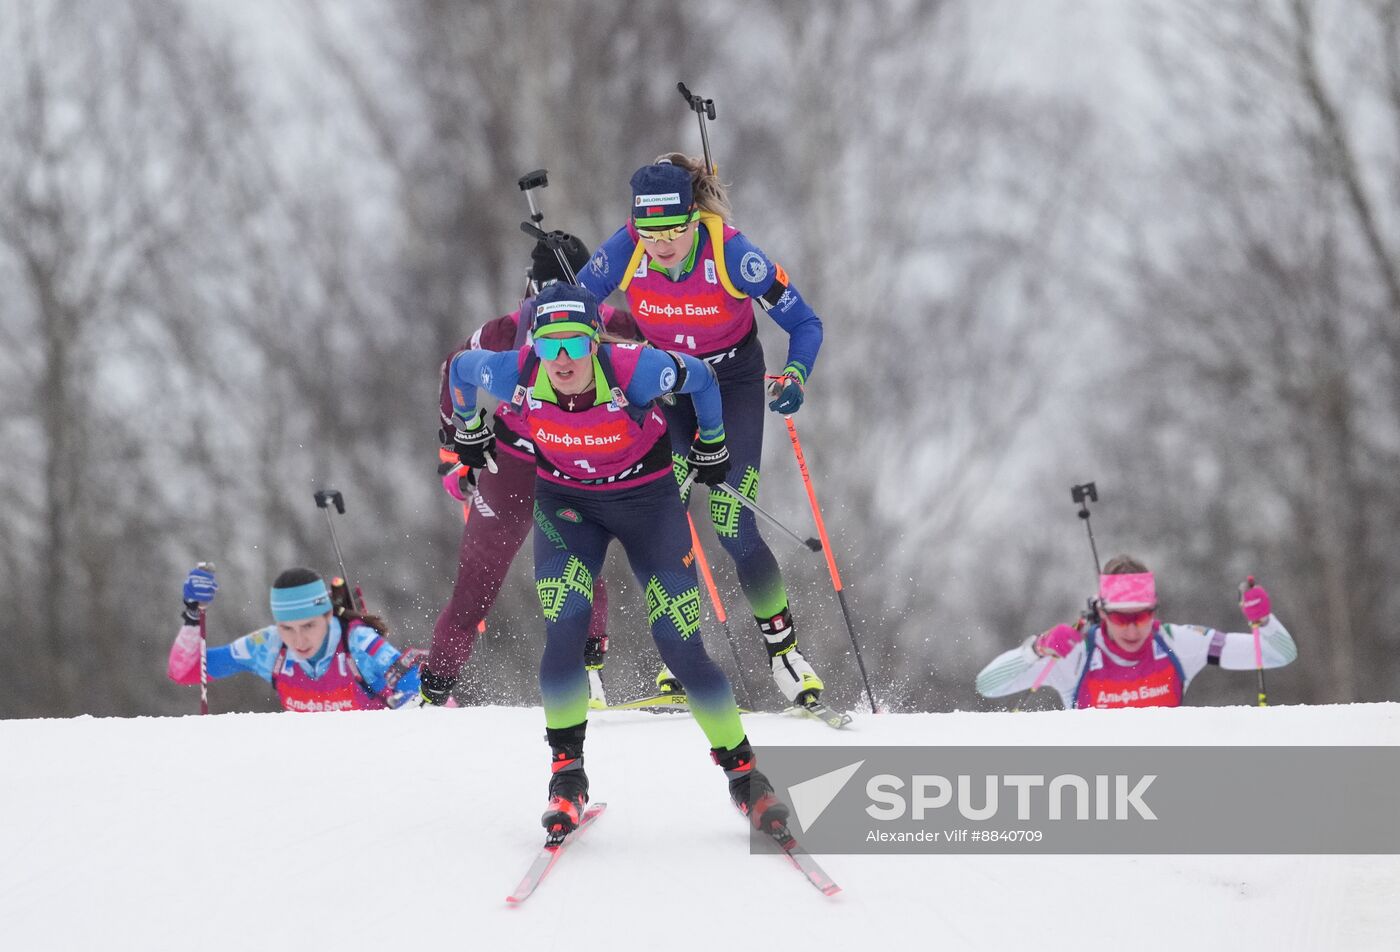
point(711, 195)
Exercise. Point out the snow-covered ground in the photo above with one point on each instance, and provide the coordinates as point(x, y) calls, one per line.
point(406, 830)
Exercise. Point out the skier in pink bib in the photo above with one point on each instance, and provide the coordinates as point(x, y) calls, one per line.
point(1127, 657)
point(692, 281)
point(315, 659)
point(503, 500)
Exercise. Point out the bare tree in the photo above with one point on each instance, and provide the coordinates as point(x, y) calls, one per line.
point(1266, 316)
point(117, 205)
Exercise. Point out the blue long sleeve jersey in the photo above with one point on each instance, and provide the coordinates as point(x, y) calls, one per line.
point(257, 653)
point(784, 304)
point(498, 373)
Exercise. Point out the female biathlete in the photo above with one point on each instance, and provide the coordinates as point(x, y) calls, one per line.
point(691, 281)
point(603, 468)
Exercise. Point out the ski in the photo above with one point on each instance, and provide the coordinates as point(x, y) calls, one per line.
point(802, 860)
point(658, 703)
point(818, 710)
point(673, 700)
point(549, 855)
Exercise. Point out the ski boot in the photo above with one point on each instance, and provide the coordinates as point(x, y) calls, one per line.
point(593, 651)
point(568, 784)
point(793, 675)
point(433, 690)
point(666, 682)
point(750, 790)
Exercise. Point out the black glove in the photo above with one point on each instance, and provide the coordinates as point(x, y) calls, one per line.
point(475, 442)
point(709, 461)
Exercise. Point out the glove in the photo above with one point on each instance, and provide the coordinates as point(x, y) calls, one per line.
point(1254, 602)
point(459, 481)
point(475, 443)
point(1058, 642)
point(786, 389)
point(709, 461)
point(200, 589)
point(456, 478)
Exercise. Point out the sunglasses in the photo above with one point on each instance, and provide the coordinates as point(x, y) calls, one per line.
point(549, 347)
point(1130, 618)
point(662, 234)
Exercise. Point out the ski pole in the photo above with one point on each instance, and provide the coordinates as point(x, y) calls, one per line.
point(203, 664)
point(1258, 648)
point(718, 606)
point(748, 503)
point(325, 497)
point(704, 108)
point(1083, 494)
point(447, 458)
point(528, 183)
point(830, 559)
point(204, 651)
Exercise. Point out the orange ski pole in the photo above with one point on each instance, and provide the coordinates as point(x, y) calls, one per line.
point(448, 458)
point(718, 606)
point(830, 559)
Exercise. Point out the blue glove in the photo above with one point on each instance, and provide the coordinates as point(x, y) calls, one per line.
point(200, 587)
point(787, 392)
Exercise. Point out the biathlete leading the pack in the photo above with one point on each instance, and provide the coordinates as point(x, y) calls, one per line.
point(315, 658)
point(691, 281)
point(603, 472)
point(499, 517)
point(1129, 658)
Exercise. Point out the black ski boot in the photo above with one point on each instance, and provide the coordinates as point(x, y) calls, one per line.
point(750, 789)
point(434, 689)
point(568, 784)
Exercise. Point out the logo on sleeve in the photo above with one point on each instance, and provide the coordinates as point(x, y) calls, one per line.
point(599, 264)
point(668, 378)
point(753, 267)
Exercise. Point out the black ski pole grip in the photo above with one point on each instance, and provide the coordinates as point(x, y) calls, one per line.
point(325, 496)
point(536, 179)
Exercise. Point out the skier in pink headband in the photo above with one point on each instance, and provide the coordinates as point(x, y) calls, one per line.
point(1126, 656)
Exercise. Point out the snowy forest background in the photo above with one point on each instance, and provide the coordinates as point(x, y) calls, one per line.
point(1151, 244)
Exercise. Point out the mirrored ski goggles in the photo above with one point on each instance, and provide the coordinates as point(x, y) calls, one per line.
point(662, 234)
point(1130, 618)
point(548, 348)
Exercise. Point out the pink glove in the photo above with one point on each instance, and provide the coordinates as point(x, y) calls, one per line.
point(1059, 641)
point(458, 482)
point(1254, 602)
point(183, 666)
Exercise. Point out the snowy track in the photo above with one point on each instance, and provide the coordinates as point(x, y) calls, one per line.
point(352, 831)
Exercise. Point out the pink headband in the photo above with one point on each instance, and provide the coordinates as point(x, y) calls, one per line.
point(1128, 591)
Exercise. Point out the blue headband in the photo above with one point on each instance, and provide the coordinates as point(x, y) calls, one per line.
point(301, 601)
